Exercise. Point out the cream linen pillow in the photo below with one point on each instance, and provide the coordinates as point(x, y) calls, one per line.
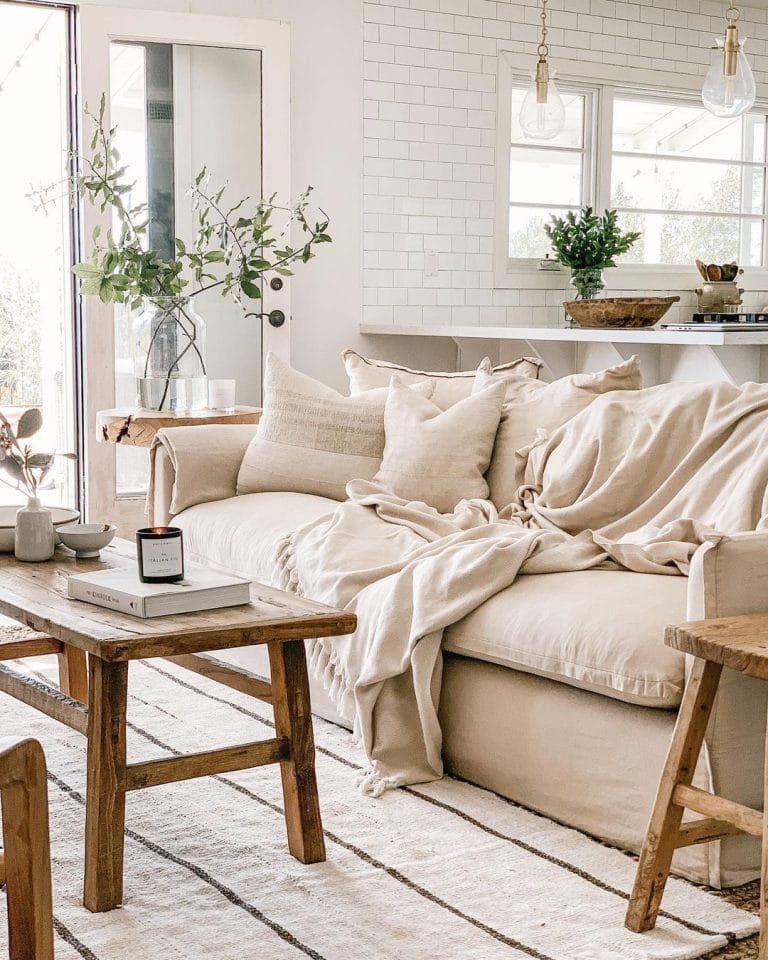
point(439, 456)
point(532, 405)
point(450, 387)
point(312, 439)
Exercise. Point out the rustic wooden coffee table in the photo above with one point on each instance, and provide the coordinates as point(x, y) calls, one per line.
point(95, 646)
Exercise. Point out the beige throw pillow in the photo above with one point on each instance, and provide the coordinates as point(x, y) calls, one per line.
point(367, 374)
point(312, 439)
point(439, 456)
point(532, 405)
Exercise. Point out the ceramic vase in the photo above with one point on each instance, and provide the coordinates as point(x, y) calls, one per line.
point(34, 538)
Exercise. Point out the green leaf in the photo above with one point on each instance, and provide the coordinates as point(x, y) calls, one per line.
point(40, 460)
point(250, 289)
point(86, 270)
point(29, 423)
point(214, 256)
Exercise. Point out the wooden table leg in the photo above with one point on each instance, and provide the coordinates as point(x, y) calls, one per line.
point(660, 839)
point(105, 801)
point(293, 720)
point(73, 673)
point(763, 947)
point(26, 863)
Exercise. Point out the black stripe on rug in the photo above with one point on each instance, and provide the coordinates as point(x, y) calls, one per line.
point(201, 874)
point(521, 844)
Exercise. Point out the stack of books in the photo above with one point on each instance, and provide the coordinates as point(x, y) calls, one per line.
point(121, 590)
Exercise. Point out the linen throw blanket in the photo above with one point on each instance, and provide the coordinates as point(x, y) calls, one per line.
point(639, 479)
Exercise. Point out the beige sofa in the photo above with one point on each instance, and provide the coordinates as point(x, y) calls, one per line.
point(558, 693)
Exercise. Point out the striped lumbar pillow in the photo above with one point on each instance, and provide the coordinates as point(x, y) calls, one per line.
point(312, 439)
point(366, 373)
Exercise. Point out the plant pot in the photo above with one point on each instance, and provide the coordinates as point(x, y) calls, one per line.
point(588, 282)
point(169, 355)
point(34, 539)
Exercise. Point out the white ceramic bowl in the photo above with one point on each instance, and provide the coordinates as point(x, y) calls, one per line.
point(61, 515)
point(86, 539)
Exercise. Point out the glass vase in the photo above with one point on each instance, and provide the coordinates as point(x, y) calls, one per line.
point(169, 355)
point(588, 282)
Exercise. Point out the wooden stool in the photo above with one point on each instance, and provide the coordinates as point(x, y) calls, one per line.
point(25, 864)
point(740, 643)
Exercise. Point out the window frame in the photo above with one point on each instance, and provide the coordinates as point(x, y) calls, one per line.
point(604, 82)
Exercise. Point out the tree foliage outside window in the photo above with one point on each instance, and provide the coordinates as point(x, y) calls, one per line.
point(20, 348)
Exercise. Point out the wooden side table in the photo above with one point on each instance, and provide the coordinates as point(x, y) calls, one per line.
point(739, 643)
point(25, 864)
point(137, 428)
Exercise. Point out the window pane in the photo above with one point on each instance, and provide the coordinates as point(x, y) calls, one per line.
point(36, 338)
point(526, 230)
point(659, 184)
point(677, 239)
point(654, 126)
point(572, 134)
point(545, 176)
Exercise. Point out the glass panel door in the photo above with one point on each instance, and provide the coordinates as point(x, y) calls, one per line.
point(37, 340)
point(185, 91)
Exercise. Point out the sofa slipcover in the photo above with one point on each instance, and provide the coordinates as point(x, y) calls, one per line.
point(238, 535)
point(604, 629)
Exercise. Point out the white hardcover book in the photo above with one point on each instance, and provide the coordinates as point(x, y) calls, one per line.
point(122, 590)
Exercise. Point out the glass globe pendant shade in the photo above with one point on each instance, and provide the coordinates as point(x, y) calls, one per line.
point(542, 115)
point(729, 86)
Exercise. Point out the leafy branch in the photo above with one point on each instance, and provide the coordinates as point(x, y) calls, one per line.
point(233, 249)
point(587, 241)
point(26, 470)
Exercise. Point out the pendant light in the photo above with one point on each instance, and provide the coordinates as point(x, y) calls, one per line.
point(729, 86)
point(542, 115)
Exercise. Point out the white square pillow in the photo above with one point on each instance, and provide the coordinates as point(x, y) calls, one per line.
point(532, 405)
point(439, 456)
point(367, 374)
point(312, 439)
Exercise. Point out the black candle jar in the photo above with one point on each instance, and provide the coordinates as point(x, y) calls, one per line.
point(160, 554)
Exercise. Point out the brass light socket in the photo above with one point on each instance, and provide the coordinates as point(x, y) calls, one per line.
point(542, 81)
point(731, 49)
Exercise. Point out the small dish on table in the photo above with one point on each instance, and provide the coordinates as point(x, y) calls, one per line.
point(86, 539)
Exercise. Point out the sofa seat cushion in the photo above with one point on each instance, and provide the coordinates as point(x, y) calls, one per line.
point(238, 535)
point(600, 630)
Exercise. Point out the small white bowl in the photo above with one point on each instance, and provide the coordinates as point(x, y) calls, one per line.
point(86, 539)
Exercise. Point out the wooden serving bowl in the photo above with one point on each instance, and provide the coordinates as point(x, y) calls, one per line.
point(619, 312)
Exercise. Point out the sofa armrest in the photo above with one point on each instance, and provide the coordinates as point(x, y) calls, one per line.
point(191, 465)
point(728, 577)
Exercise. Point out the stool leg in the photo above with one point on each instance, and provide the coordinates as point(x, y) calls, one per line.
point(763, 947)
point(661, 836)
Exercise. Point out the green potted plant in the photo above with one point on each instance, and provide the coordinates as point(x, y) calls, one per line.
point(236, 245)
point(588, 243)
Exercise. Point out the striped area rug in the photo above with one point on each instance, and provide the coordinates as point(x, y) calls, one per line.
point(442, 871)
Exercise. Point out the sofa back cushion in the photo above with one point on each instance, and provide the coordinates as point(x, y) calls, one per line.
point(532, 405)
point(312, 439)
point(439, 456)
point(366, 373)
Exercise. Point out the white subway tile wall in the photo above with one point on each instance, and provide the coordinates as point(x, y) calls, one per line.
point(430, 138)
